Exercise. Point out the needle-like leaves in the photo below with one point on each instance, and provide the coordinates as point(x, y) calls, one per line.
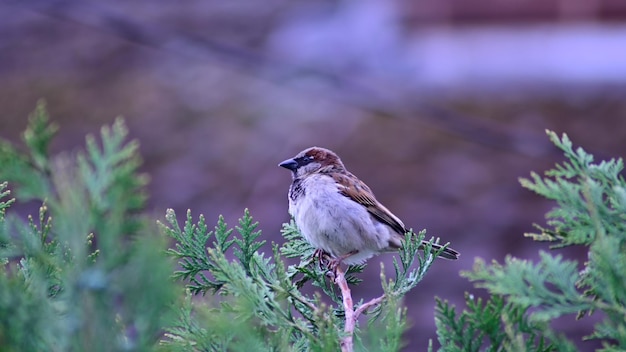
point(526, 296)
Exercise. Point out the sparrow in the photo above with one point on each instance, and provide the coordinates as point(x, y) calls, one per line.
point(338, 213)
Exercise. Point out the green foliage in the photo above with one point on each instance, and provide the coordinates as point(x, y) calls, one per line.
point(257, 294)
point(591, 198)
point(261, 303)
point(4, 205)
point(494, 325)
point(87, 272)
point(90, 272)
point(526, 296)
point(31, 169)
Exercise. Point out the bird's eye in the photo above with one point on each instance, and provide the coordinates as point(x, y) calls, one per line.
point(305, 159)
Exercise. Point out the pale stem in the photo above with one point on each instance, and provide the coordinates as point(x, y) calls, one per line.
point(347, 344)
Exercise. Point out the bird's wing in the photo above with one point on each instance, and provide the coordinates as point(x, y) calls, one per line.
point(355, 189)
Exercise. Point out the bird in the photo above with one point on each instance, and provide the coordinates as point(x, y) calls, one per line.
point(338, 214)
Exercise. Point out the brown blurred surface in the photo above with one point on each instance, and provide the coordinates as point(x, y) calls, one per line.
point(213, 123)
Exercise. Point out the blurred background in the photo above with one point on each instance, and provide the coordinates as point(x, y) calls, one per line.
point(439, 105)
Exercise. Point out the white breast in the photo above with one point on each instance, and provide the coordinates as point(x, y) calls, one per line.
point(335, 223)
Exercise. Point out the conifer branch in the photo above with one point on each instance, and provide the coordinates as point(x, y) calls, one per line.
point(88, 261)
point(526, 296)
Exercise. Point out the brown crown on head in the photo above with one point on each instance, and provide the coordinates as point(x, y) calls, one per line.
point(323, 156)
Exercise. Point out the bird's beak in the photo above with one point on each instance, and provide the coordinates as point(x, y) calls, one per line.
point(289, 164)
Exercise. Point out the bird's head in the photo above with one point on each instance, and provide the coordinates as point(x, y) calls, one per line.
point(313, 160)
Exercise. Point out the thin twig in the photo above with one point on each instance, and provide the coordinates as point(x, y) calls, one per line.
point(367, 305)
point(347, 344)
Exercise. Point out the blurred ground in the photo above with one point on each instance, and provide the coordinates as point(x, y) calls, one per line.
point(438, 118)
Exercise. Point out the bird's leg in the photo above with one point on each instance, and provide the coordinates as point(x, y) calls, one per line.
point(321, 256)
point(317, 255)
point(335, 262)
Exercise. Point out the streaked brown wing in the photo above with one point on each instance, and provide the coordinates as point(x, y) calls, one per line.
point(359, 192)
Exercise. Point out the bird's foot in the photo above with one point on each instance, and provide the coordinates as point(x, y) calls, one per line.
point(323, 258)
point(334, 263)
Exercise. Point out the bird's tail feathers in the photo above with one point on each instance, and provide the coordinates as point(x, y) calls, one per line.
point(447, 253)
